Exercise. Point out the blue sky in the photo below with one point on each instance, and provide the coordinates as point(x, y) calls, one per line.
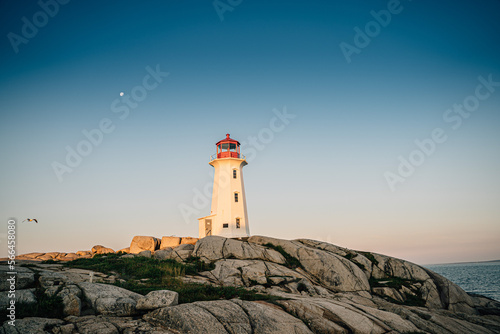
point(321, 176)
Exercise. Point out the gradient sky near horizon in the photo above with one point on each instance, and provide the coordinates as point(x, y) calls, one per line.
point(320, 177)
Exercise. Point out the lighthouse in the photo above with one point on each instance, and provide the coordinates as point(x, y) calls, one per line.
point(228, 216)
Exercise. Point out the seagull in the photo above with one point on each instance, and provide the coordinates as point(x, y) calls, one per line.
point(31, 220)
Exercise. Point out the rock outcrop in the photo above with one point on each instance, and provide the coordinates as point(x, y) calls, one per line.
point(101, 250)
point(172, 242)
point(142, 243)
point(316, 287)
point(138, 245)
point(158, 299)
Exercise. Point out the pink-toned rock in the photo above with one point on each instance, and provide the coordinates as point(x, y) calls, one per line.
point(98, 249)
point(84, 253)
point(44, 257)
point(68, 257)
point(189, 240)
point(170, 242)
point(53, 254)
point(60, 255)
point(142, 243)
point(124, 250)
point(23, 258)
point(31, 255)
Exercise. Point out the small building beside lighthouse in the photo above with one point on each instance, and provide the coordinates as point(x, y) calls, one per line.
point(228, 216)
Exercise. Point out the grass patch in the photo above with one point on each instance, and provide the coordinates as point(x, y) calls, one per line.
point(140, 267)
point(195, 265)
point(192, 292)
point(164, 275)
point(291, 261)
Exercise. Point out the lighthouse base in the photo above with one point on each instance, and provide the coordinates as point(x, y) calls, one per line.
point(210, 225)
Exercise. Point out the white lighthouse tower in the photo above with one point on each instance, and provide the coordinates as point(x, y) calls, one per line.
point(228, 216)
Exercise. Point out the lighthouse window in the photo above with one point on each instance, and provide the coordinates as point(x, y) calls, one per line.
point(236, 197)
point(234, 173)
point(232, 146)
point(225, 225)
point(237, 223)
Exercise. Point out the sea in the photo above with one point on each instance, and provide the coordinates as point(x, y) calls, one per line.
point(482, 278)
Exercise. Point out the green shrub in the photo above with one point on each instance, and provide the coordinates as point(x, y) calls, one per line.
point(195, 265)
point(397, 283)
point(164, 275)
point(134, 268)
point(350, 256)
point(370, 257)
point(192, 292)
point(302, 287)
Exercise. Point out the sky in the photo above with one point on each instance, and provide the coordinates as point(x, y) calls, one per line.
point(369, 125)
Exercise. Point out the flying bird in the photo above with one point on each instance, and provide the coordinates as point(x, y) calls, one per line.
point(31, 220)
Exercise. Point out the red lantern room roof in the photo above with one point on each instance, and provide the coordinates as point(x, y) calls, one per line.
point(227, 148)
point(227, 140)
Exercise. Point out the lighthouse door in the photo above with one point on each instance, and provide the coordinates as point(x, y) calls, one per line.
point(208, 227)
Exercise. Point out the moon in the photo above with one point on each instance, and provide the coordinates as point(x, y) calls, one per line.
point(121, 93)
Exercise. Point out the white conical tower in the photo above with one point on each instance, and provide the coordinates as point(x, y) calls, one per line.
point(228, 216)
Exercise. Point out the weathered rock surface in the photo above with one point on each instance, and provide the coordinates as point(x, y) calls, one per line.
point(84, 253)
point(71, 298)
point(25, 278)
point(215, 248)
point(26, 296)
point(170, 242)
point(124, 250)
point(179, 253)
point(98, 249)
point(235, 316)
point(142, 243)
point(31, 326)
point(332, 270)
point(157, 299)
point(146, 253)
point(110, 300)
point(173, 242)
point(318, 288)
point(189, 241)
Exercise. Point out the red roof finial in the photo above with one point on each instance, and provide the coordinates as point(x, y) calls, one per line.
point(227, 140)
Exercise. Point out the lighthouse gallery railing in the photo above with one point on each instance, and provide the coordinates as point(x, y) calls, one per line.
point(239, 156)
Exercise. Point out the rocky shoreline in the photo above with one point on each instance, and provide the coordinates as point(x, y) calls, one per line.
point(319, 288)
